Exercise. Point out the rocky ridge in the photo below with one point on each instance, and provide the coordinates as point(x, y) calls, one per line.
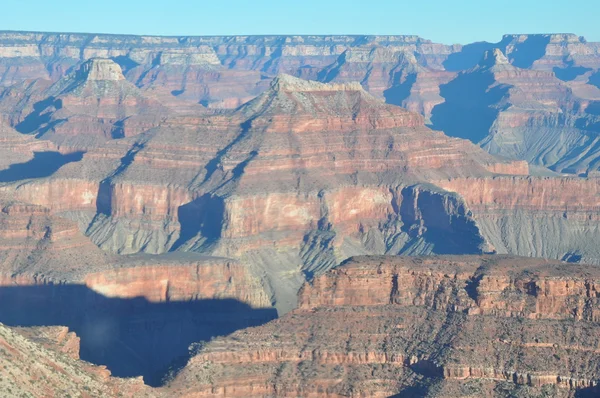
point(348, 175)
point(379, 326)
point(322, 147)
point(36, 366)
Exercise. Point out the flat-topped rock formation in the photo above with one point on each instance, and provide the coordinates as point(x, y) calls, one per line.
point(306, 175)
point(188, 184)
point(87, 107)
point(100, 69)
point(204, 68)
point(379, 326)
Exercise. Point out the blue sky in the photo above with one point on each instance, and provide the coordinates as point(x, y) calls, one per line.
point(444, 21)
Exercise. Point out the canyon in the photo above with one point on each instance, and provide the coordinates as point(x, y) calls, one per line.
point(164, 199)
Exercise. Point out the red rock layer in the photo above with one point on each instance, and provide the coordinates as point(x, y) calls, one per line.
point(378, 326)
point(39, 247)
point(540, 288)
point(552, 194)
point(165, 281)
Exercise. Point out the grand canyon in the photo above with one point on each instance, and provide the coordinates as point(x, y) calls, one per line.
point(299, 216)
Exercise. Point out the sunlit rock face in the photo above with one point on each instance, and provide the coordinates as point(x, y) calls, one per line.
point(380, 326)
point(525, 111)
point(85, 108)
point(296, 180)
point(316, 171)
point(521, 215)
point(149, 185)
point(155, 305)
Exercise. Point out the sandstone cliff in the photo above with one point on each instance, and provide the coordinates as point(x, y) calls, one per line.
point(307, 175)
point(125, 310)
point(521, 113)
point(379, 326)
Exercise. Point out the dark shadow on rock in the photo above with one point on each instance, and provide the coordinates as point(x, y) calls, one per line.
point(118, 130)
point(39, 119)
point(203, 216)
point(589, 124)
point(471, 286)
point(214, 165)
point(428, 369)
point(594, 80)
point(588, 392)
point(454, 233)
point(274, 59)
point(330, 72)
point(132, 337)
point(412, 392)
point(593, 108)
point(238, 170)
point(468, 57)
point(532, 49)
point(399, 92)
point(104, 197)
point(569, 73)
point(571, 257)
point(125, 63)
point(468, 111)
point(43, 164)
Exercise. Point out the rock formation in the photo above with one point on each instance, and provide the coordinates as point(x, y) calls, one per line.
point(153, 187)
point(552, 93)
point(345, 172)
point(37, 366)
point(53, 275)
point(85, 108)
point(347, 175)
point(379, 326)
point(522, 114)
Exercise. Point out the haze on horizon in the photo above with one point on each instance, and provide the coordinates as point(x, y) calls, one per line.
point(441, 21)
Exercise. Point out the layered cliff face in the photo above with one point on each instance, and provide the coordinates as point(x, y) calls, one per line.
point(144, 219)
point(343, 172)
point(215, 71)
point(153, 306)
point(305, 176)
point(179, 277)
point(551, 51)
point(522, 114)
point(85, 108)
point(439, 326)
point(545, 86)
point(227, 71)
point(17, 149)
point(38, 246)
point(535, 216)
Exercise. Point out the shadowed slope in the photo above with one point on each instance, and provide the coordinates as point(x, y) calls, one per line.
point(132, 337)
